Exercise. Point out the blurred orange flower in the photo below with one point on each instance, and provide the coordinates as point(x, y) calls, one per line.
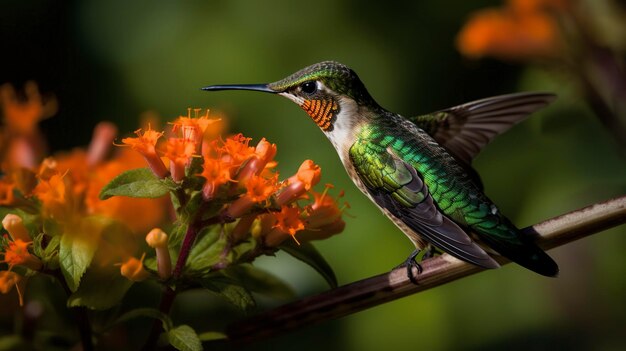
point(16, 254)
point(518, 31)
point(22, 116)
point(6, 193)
point(8, 280)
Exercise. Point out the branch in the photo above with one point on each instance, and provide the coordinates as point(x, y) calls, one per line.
point(377, 290)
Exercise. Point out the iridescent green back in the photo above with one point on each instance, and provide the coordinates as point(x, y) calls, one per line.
point(454, 192)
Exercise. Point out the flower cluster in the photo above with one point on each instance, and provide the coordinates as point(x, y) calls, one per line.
point(240, 180)
point(570, 40)
point(521, 29)
point(78, 216)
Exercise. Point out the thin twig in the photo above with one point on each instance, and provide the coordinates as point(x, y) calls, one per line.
point(377, 290)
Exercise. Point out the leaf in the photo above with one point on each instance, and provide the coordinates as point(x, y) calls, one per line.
point(308, 254)
point(49, 255)
point(12, 342)
point(184, 338)
point(211, 336)
point(260, 281)
point(77, 248)
point(207, 251)
point(177, 233)
point(230, 290)
point(91, 293)
point(146, 312)
point(139, 182)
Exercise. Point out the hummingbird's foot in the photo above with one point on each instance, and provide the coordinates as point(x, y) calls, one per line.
point(409, 263)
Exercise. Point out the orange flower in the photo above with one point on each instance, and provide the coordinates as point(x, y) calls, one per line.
point(16, 228)
point(8, 280)
point(216, 172)
point(22, 117)
point(138, 214)
point(133, 269)
point(236, 150)
point(6, 193)
point(263, 154)
point(53, 194)
point(16, 254)
point(179, 151)
point(324, 209)
point(103, 135)
point(145, 144)
point(193, 128)
point(288, 223)
point(288, 220)
point(258, 189)
point(521, 30)
point(307, 176)
point(23, 179)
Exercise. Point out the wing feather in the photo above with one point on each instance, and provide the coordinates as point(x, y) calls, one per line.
point(467, 128)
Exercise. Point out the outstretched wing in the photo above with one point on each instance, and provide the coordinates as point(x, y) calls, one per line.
point(467, 128)
point(395, 185)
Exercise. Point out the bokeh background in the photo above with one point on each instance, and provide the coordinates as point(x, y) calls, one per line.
point(113, 60)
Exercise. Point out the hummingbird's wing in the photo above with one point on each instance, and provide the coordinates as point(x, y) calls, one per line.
point(396, 186)
point(465, 129)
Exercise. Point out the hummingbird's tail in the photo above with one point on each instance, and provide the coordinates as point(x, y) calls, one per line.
point(509, 242)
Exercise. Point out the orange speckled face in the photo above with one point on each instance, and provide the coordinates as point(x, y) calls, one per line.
point(321, 111)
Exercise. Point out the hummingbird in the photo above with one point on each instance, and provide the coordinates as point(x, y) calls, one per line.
point(417, 170)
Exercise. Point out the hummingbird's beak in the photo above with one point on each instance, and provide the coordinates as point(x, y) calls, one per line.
point(254, 87)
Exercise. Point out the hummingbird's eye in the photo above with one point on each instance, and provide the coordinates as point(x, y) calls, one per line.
point(309, 87)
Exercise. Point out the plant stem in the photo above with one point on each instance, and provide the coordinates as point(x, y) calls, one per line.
point(190, 238)
point(169, 294)
point(80, 315)
point(84, 327)
point(386, 287)
point(167, 299)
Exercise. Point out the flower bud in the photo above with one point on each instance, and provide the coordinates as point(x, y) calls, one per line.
point(157, 239)
point(15, 226)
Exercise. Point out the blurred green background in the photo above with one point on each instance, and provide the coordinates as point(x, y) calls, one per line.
point(113, 60)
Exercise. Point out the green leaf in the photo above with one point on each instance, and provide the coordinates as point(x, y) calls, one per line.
point(308, 254)
point(146, 312)
point(139, 182)
point(196, 201)
point(49, 255)
point(260, 281)
point(12, 342)
point(91, 293)
point(230, 290)
point(52, 228)
point(77, 248)
point(211, 336)
point(207, 251)
point(184, 338)
point(177, 233)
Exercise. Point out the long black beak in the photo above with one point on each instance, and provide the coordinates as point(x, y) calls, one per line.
point(254, 87)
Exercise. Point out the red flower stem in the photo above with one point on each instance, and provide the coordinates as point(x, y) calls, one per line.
point(190, 238)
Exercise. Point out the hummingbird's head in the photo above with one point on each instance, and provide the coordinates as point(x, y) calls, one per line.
point(322, 90)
